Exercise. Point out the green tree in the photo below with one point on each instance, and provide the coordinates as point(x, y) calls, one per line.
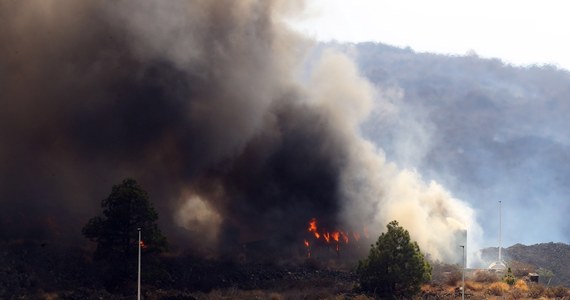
point(395, 267)
point(125, 210)
point(509, 278)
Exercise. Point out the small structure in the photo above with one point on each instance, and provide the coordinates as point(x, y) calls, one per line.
point(533, 277)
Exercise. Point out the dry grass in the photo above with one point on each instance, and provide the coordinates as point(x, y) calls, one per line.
point(557, 292)
point(474, 286)
point(332, 289)
point(498, 288)
point(453, 277)
point(474, 291)
point(521, 285)
point(516, 294)
point(536, 290)
point(485, 276)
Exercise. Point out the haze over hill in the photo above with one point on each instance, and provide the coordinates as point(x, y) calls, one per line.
point(486, 130)
point(549, 256)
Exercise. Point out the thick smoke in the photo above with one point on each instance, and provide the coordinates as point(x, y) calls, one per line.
point(486, 130)
point(201, 102)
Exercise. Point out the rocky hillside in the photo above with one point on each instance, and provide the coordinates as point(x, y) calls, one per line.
point(549, 256)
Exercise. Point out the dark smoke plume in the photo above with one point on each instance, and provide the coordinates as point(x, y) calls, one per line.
point(200, 101)
point(171, 93)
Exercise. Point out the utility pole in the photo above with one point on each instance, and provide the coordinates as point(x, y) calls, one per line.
point(139, 272)
point(500, 233)
point(463, 274)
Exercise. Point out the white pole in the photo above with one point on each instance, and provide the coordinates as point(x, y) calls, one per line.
point(139, 272)
point(500, 233)
point(463, 275)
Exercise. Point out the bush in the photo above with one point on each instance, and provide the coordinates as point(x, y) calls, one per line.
point(521, 285)
point(447, 274)
point(474, 286)
point(509, 278)
point(516, 294)
point(453, 278)
point(519, 290)
point(498, 288)
point(536, 290)
point(485, 276)
point(556, 292)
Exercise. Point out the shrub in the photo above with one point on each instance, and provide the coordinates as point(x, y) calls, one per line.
point(485, 276)
point(521, 285)
point(516, 294)
point(498, 288)
point(509, 278)
point(474, 286)
point(556, 292)
point(443, 273)
point(453, 277)
point(535, 290)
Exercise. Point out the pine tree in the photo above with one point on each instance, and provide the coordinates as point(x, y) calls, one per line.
point(395, 266)
point(125, 210)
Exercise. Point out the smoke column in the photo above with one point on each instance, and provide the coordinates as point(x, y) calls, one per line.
point(201, 102)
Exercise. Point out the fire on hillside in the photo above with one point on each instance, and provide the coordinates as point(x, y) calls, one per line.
point(321, 237)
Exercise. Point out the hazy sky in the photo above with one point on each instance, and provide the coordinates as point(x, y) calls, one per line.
point(519, 32)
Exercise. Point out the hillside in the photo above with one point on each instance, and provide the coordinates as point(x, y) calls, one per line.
point(486, 130)
point(551, 256)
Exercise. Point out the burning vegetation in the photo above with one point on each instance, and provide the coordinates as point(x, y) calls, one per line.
point(321, 237)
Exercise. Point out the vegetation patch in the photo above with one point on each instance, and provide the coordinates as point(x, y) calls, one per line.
point(498, 288)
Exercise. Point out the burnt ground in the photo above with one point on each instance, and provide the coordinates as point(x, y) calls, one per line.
point(35, 270)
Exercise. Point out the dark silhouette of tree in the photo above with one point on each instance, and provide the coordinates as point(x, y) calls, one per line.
point(395, 267)
point(125, 210)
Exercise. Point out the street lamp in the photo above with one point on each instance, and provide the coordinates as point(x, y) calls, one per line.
point(139, 272)
point(463, 274)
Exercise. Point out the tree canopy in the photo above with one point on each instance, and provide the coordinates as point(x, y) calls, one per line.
point(395, 266)
point(125, 210)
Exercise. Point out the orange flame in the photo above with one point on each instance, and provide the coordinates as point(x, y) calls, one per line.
point(327, 237)
point(336, 235)
point(313, 228)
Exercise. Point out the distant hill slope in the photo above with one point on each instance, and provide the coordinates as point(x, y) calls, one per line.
point(551, 256)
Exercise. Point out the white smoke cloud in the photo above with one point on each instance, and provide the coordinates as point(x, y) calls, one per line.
point(197, 215)
point(375, 190)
